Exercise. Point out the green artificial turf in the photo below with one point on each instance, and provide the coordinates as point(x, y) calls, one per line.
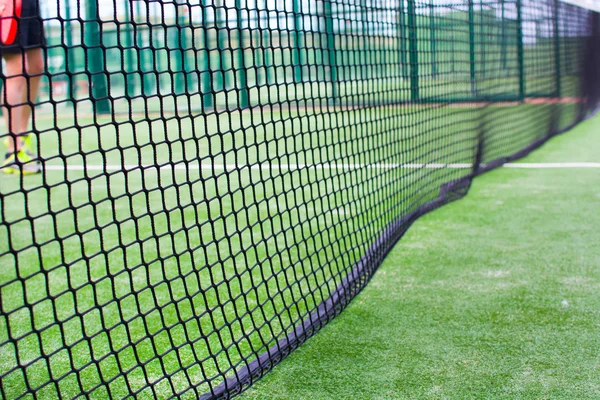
point(493, 296)
point(166, 258)
point(146, 271)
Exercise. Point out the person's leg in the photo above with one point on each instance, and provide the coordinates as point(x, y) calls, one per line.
point(23, 74)
point(34, 65)
point(14, 99)
point(19, 98)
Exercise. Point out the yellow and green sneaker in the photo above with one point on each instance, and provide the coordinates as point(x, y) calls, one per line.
point(26, 145)
point(21, 162)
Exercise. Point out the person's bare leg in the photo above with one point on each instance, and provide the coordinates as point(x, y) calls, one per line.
point(14, 96)
point(34, 65)
point(19, 99)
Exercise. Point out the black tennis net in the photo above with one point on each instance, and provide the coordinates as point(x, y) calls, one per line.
point(219, 179)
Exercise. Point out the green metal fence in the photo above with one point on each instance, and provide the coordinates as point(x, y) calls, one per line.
point(172, 48)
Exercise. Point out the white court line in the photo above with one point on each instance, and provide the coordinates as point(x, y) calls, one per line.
point(269, 166)
point(553, 165)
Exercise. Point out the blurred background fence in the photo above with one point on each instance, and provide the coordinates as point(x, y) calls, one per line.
point(239, 53)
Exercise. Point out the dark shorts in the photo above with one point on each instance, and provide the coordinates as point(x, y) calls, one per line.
point(30, 31)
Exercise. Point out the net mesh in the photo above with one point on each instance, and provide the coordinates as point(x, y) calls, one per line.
point(220, 178)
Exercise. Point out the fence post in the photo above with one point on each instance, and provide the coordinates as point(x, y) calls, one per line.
point(242, 79)
point(432, 38)
point(483, 24)
point(503, 44)
point(71, 86)
point(177, 52)
point(557, 48)
point(297, 45)
point(266, 44)
point(129, 56)
point(205, 70)
point(142, 61)
point(520, 58)
point(453, 48)
point(96, 63)
point(472, 66)
point(413, 49)
point(180, 43)
point(220, 78)
point(365, 52)
point(158, 42)
point(330, 49)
